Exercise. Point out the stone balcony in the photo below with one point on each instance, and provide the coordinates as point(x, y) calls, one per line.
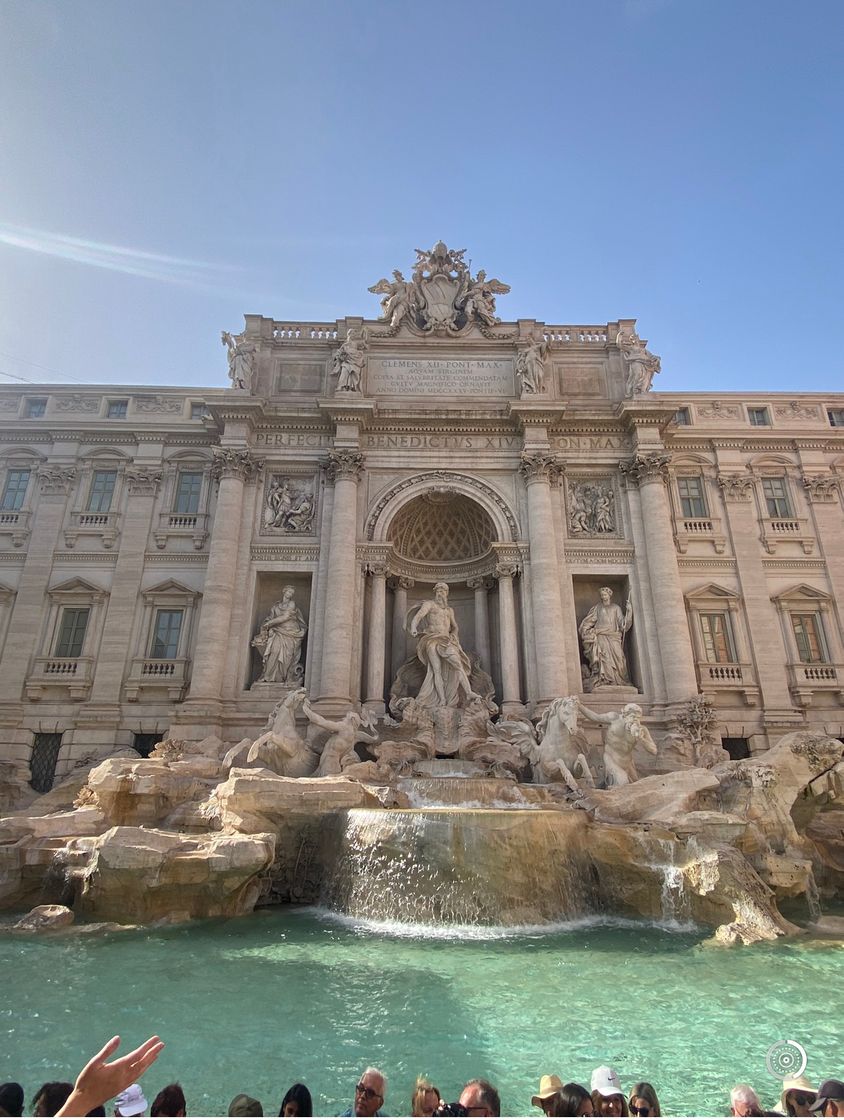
point(806, 679)
point(777, 530)
point(92, 524)
point(73, 673)
point(16, 522)
point(168, 674)
point(689, 529)
point(193, 525)
point(728, 676)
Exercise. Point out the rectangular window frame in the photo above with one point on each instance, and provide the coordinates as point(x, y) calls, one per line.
point(809, 638)
point(72, 629)
point(34, 408)
point(117, 409)
point(165, 639)
point(835, 417)
point(778, 505)
point(14, 496)
point(758, 416)
point(683, 417)
point(100, 493)
point(692, 505)
point(717, 637)
point(188, 501)
point(198, 409)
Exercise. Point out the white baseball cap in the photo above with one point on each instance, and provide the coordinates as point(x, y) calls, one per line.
point(605, 1081)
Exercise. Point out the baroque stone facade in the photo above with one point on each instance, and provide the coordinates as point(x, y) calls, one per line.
point(147, 534)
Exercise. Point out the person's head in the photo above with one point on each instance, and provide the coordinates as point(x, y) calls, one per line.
point(297, 1101)
point(549, 1086)
point(242, 1105)
point(830, 1099)
point(131, 1102)
point(643, 1100)
point(426, 1098)
point(572, 1100)
point(11, 1099)
point(798, 1096)
point(479, 1098)
point(287, 594)
point(441, 592)
point(50, 1097)
point(370, 1092)
point(744, 1101)
point(607, 1097)
point(170, 1102)
point(606, 595)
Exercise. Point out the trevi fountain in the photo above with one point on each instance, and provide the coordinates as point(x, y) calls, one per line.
point(516, 846)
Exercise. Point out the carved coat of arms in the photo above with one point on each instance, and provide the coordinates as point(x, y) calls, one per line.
point(442, 296)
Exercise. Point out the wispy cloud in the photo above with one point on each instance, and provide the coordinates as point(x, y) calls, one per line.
point(116, 258)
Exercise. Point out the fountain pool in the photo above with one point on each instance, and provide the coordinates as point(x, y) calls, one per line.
point(255, 1003)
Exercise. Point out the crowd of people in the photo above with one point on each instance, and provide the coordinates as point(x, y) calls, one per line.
point(116, 1082)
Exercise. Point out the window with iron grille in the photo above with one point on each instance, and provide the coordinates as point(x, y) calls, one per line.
point(74, 623)
point(188, 490)
point(692, 498)
point(808, 635)
point(42, 762)
point(166, 633)
point(144, 742)
point(717, 637)
point(14, 491)
point(102, 491)
point(758, 417)
point(776, 497)
point(117, 410)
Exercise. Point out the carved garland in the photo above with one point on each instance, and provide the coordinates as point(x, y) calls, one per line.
point(56, 480)
point(820, 488)
point(439, 477)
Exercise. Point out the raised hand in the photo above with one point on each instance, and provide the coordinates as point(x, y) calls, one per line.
point(100, 1080)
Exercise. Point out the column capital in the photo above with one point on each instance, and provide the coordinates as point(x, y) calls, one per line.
point(143, 481)
point(478, 583)
point(345, 463)
point(234, 462)
point(377, 568)
point(649, 466)
point(56, 480)
point(820, 487)
point(537, 466)
point(403, 583)
point(507, 569)
point(735, 487)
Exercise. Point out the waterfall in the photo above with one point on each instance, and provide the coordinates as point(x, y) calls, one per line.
point(813, 897)
point(459, 867)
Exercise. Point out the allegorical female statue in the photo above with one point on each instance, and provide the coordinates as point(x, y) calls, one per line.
point(602, 633)
point(279, 642)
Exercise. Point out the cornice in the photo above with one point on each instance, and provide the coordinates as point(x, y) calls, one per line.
point(291, 552)
point(704, 563)
point(175, 557)
point(594, 554)
point(85, 558)
point(794, 564)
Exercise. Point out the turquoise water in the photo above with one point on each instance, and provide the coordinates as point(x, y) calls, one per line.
point(254, 1004)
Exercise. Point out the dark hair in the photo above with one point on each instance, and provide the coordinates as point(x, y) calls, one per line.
point(488, 1096)
point(646, 1091)
point(170, 1101)
point(11, 1099)
point(302, 1096)
point(98, 1111)
point(598, 1097)
point(52, 1096)
point(567, 1101)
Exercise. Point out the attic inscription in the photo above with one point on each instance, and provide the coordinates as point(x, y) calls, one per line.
point(475, 377)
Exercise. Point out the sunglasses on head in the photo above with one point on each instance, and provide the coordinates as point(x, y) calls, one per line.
point(365, 1091)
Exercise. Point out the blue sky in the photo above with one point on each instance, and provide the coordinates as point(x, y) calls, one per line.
point(168, 165)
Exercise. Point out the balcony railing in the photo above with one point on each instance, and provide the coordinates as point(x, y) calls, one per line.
point(193, 525)
point(699, 529)
point(85, 522)
point(73, 673)
point(728, 675)
point(809, 677)
point(16, 522)
point(775, 530)
point(170, 673)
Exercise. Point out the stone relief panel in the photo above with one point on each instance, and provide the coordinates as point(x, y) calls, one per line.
point(300, 377)
point(581, 381)
point(592, 508)
point(289, 506)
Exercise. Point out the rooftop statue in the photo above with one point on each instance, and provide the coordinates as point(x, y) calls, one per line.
point(441, 296)
point(641, 363)
point(530, 367)
point(348, 362)
point(241, 357)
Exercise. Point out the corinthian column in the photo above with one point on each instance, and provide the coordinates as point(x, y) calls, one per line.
point(399, 585)
point(511, 696)
point(233, 467)
point(546, 607)
point(344, 469)
point(648, 471)
point(376, 637)
point(480, 586)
